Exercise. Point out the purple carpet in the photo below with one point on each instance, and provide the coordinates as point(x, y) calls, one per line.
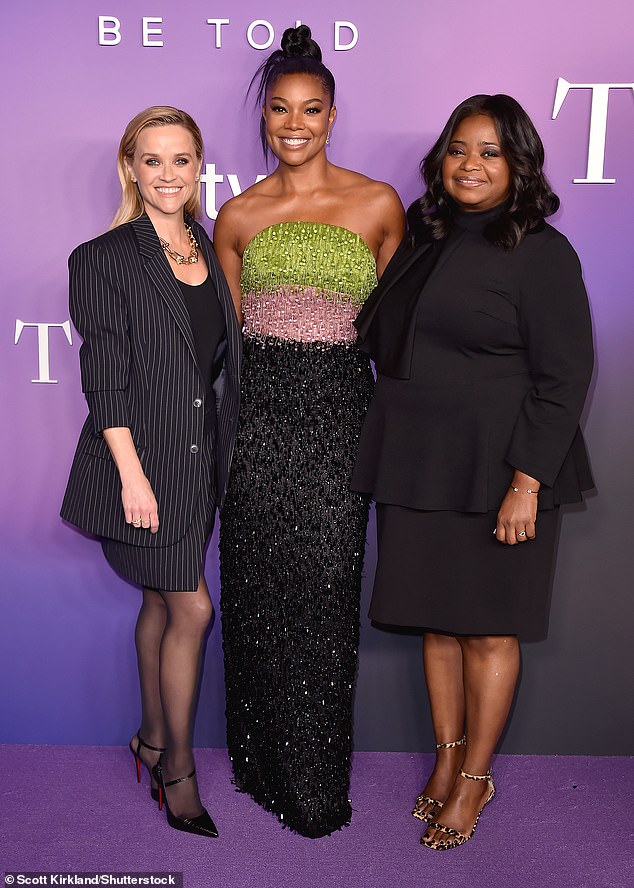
point(556, 822)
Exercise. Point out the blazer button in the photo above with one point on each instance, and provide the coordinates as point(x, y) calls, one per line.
point(193, 448)
point(198, 402)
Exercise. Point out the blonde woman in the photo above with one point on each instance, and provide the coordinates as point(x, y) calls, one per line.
point(159, 368)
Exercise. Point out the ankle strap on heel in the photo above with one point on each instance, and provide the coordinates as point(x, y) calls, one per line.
point(486, 776)
point(141, 742)
point(453, 744)
point(179, 779)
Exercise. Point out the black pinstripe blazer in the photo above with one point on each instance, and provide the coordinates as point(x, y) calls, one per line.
point(139, 369)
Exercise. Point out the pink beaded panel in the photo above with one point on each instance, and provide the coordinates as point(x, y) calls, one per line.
point(301, 314)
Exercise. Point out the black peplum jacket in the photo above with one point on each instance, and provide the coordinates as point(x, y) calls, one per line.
point(483, 362)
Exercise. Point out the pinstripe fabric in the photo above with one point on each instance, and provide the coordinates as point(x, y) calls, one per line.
point(174, 568)
point(139, 369)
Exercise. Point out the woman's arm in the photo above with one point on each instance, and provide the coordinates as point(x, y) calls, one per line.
point(99, 313)
point(555, 325)
point(393, 220)
point(226, 245)
point(554, 320)
point(100, 316)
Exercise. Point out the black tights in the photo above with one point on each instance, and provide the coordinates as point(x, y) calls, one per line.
point(170, 634)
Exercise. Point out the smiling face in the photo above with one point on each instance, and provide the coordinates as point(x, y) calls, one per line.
point(165, 167)
point(475, 172)
point(298, 118)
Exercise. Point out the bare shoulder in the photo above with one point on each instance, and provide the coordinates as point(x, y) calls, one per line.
point(230, 214)
point(241, 217)
point(231, 221)
point(369, 190)
point(376, 204)
point(386, 199)
point(374, 209)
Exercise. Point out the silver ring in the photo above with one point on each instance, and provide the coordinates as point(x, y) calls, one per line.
point(522, 533)
point(136, 523)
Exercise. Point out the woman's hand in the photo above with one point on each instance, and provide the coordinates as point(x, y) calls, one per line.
point(139, 503)
point(518, 511)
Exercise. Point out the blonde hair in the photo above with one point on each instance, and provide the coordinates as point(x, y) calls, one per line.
point(131, 205)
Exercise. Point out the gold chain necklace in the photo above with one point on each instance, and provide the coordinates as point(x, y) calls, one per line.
point(178, 258)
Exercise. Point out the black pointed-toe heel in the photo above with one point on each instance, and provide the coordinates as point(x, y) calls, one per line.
point(201, 825)
point(138, 761)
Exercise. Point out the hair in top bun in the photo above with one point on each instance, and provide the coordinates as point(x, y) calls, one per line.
point(299, 54)
point(299, 42)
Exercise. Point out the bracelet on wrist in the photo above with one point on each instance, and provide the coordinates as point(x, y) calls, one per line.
point(528, 490)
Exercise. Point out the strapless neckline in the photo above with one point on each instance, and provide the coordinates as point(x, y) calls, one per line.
point(305, 281)
point(312, 224)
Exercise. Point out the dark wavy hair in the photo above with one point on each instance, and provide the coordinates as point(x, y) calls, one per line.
point(299, 54)
point(531, 198)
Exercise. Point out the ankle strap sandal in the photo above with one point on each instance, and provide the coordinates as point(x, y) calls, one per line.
point(425, 801)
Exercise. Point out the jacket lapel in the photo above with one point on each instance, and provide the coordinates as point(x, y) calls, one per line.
point(157, 268)
point(402, 260)
point(386, 326)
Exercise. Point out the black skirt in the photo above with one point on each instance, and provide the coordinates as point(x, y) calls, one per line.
point(292, 539)
point(174, 568)
point(446, 572)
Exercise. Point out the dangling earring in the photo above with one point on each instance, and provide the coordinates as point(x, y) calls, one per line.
point(328, 138)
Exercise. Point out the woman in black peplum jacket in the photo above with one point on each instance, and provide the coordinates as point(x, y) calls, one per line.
point(481, 335)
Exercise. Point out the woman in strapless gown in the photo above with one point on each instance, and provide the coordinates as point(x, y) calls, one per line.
point(301, 251)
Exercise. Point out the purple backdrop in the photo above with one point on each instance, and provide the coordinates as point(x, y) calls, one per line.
point(66, 653)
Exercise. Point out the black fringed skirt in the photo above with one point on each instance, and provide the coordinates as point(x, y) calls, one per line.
point(292, 540)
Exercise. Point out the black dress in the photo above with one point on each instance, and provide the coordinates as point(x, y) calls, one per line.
point(176, 568)
point(495, 378)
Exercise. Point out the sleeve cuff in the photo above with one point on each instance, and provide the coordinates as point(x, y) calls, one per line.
point(108, 409)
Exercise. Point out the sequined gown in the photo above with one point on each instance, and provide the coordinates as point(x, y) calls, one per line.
point(292, 534)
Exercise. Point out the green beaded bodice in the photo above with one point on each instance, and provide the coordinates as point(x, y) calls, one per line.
point(330, 259)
